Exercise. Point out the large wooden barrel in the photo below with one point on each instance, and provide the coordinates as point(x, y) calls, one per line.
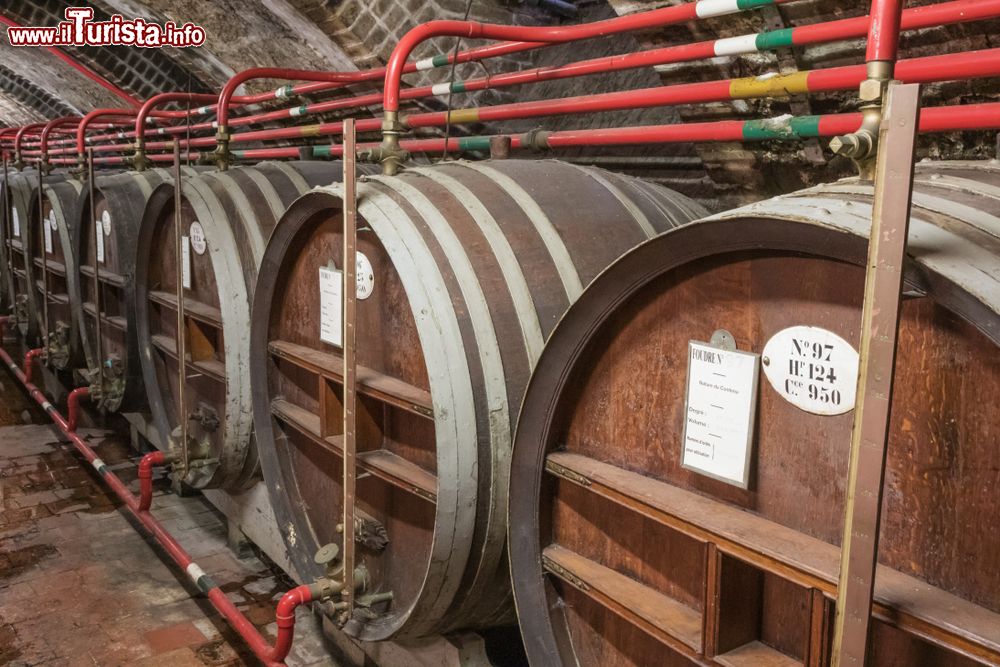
point(624, 553)
point(6, 275)
point(53, 246)
point(23, 200)
point(119, 203)
point(227, 217)
point(466, 268)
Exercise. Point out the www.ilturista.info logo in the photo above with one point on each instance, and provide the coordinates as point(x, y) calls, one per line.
point(80, 30)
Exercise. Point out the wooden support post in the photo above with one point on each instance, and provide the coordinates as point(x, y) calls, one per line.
point(6, 233)
point(879, 333)
point(95, 227)
point(181, 339)
point(350, 234)
point(45, 264)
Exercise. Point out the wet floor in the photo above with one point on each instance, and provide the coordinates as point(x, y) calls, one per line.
point(80, 586)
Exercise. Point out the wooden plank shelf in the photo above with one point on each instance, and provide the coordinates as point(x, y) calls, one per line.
point(935, 615)
point(381, 463)
point(52, 265)
point(107, 277)
point(672, 622)
point(757, 654)
point(15, 243)
point(211, 368)
point(20, 272)
point(194, 309)
point(117, 322)
point(370, 382)
point(58, 297)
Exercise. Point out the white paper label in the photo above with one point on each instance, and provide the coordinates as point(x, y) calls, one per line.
point(813, 369)
point(106, 222)
point(100, 243)
point(186, 262)
point(48, 225)
point(721, 402)
point(331, 314)
point(17, 222)
point(197, 235)
point(365, 276)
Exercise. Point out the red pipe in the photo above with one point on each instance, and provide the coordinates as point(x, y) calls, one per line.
point(51, 125)
point(883, 31)
point(29, 359)
point(125, 115)
point(969, 117)
point(80, 67)
point(272, 656)
point(966, 65)
point(656, 18)
point(34, 128)
point(146, 464)
point(73, 406)
point(165, 98)
point(235, 81)
point(921, 17)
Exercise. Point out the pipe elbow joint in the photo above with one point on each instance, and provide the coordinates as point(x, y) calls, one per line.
point(860, 145)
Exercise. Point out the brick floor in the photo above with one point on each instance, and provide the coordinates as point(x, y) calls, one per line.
point(80, 586)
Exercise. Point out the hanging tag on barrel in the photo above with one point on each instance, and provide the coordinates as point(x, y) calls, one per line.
point(49, 224)
point(331, 306)
point(186, 261)
point(719, 409)
point(100, 241)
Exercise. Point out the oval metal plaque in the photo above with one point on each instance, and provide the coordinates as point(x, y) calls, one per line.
point(365, 276)
point(197, 235)
point(106, 222)
point(813, 369)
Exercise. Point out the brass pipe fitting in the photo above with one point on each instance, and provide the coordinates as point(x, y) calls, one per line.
point(221, 157)
point(139, 160)
point(390, 154)
point(862, 144)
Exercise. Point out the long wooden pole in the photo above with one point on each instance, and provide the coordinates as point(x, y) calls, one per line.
point(879, 334)
point(98, 232)
point(45, 262)
point(350, 235)
point(181, 340)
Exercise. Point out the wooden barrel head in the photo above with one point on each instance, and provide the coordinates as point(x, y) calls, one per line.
point(466, 267)
point(53, 252)
point(645, 561)
point(119, 204)
point(226, 219)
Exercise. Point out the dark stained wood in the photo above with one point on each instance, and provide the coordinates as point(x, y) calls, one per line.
point(602, 418)
point(195, 309)
point(756, 654)
point(501, 254)
point(371, 382)
point(392, 468)
point(237, 211)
